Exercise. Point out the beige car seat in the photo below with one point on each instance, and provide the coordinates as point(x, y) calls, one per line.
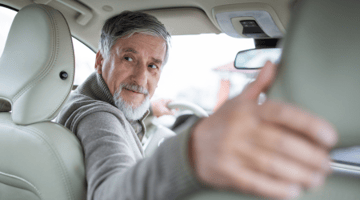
point(320, 72)
point(39, 159)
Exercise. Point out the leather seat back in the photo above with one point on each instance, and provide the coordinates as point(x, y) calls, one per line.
point(39, 159)
point(320, 68)
point(320, 72)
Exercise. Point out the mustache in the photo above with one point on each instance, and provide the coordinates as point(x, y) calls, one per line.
point(134, 87)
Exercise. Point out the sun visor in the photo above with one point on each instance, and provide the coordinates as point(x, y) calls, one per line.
point(249, 20)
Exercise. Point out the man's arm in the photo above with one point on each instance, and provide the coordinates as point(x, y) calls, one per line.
point(113, 169)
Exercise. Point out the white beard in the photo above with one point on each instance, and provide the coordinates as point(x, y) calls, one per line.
point(128, 109)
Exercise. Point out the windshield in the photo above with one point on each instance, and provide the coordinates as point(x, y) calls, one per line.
point(200, 69)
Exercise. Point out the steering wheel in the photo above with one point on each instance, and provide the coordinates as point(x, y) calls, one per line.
point(159, 133)
point(186, 105)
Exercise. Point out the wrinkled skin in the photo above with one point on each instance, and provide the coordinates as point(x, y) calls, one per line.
point(134, 60)
point(274, 150)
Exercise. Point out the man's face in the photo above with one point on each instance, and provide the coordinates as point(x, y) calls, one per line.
point(136, 60)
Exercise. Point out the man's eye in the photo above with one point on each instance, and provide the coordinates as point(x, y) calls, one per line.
point(153, 66)
point(128, 59)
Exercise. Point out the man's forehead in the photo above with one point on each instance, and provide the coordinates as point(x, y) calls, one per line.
point(131, 50)
point(123, 46)
point(155, 39)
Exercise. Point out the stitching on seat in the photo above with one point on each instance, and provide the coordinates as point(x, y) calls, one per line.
point(23, 180)
point(45, 139)
point(58, 107)
point(45, 71)
point(52, 61)
point(49, 67)
point(64, 176)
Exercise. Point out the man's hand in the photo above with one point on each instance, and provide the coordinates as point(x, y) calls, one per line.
point(273, 150)
point(159, 107)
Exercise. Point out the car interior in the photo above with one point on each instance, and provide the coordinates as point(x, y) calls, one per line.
point(318, 72)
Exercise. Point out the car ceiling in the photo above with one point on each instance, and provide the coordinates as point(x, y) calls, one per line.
point(180, 17)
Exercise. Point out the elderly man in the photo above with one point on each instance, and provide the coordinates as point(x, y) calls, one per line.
point(273, 150)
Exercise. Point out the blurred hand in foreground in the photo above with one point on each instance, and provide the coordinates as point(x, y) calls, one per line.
point(274, 150)
point(159, 107)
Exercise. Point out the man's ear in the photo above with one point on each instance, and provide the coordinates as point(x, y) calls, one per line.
point(98, 62)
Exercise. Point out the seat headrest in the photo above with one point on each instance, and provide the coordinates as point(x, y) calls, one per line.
point(37, 57)
point(320, 68)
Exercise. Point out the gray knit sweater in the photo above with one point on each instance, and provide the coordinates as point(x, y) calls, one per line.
point(115, 167)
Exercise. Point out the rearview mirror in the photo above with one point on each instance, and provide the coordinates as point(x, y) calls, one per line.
point(256, 58)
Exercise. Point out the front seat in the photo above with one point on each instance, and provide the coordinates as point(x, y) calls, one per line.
point(39, 159)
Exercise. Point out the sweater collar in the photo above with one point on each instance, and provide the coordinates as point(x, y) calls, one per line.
point(96, 88)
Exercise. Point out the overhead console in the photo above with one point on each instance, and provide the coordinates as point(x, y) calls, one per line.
point(249, 20)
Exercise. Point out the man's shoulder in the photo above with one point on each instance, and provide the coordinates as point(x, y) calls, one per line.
point(78, 101)
point(79, 106)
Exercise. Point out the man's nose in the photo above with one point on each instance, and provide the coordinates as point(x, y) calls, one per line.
point(139, 75)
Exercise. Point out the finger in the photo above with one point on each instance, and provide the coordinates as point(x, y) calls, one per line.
point(292, 146)
point(280, 166)
point(162, 111)
point(261, 84)
point(249, 181)
point(167, 101)
point(293, 118)
point(283, 168)
point(167, 111)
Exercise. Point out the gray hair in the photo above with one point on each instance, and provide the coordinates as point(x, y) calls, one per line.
point(126, 24)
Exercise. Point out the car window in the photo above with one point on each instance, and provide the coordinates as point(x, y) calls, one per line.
point(84, 61)
point(84, 56)
point(6, 17)
point(200, 70)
